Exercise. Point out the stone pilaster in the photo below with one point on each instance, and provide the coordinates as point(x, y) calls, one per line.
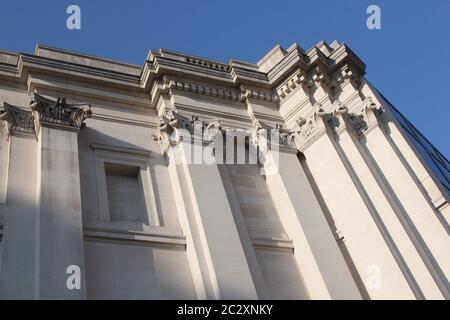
point(304, 220)
point(18, 269)
point(60, 221)
point(345, 201)
point(414, 211)
point(221, 266)
point(300, 213)
point(347, 128)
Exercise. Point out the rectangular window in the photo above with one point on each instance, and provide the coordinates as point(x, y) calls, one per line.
point(125, 193)
point(125, 184)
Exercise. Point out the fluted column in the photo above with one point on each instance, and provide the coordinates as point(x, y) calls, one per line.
point(60, 235)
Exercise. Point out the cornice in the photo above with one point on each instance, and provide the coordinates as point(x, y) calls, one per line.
point(28, 63)
point(208, 64)
point(319, 76)
point(251, 93)
point(136, 152)
point(190, 87)
point(243, 94)
point(168, 63)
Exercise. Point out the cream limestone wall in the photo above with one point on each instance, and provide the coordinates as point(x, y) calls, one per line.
point(19, 251)
point(126, 270)
point(263, 228)
point(99, 198)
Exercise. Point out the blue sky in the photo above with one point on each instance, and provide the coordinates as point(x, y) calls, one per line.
point(408, 60)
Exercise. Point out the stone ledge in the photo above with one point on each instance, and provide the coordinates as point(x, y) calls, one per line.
point(134, 236)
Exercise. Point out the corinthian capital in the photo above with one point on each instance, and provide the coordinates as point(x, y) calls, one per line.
point(370, 113)
point(59, 114)
point(311, 128)
point(15, 119)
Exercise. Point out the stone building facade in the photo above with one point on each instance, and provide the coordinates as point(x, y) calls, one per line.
point(93, 204)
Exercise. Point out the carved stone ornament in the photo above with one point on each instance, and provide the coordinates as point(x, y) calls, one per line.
point(286, 137)
point(266, 137)
point(338, 118)
point(174, 128)
point(16, 119)
point(58, 113)
point(212, 130)
point(358, 123)
point(311, 127)
point(368, 117)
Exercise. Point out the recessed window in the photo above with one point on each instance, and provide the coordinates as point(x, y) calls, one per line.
point(125, 188)
point(125, 193)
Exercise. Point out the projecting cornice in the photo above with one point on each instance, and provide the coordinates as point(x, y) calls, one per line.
point(336, 61)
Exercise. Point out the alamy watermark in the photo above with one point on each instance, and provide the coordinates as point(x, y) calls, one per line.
point(73, 21)
point(373, 280)
point(373, 21)
point(73, 282)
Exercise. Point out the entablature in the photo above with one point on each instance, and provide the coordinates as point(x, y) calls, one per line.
point(165, 63)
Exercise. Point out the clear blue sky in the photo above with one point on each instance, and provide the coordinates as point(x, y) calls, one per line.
point(408, 60)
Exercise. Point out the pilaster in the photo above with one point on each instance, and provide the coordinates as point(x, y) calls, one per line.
point(347, 128)
point(344, 198)
point(301, 214)
point(18, 269)
point(206, 214)
point(60, 234)
point(417, 216)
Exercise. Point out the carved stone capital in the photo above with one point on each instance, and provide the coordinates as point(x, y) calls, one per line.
point(59, 114)
point(338, 119)
point(168, 129)
point(169, 120)
point(371, 114)
point(15, 119)
point(212, 130)
point(286, 138)
point(174, 128)
point(311, 128)
point(358, 123)
point(267, 138)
